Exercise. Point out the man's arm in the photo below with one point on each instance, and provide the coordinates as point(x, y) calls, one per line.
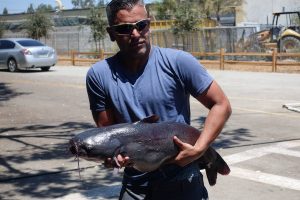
point(219, 111)
point(103, 118)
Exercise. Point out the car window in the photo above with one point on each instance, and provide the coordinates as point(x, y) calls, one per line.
point(5, 44)
point(30, 43)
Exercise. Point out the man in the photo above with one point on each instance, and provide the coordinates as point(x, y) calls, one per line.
point(142, 80)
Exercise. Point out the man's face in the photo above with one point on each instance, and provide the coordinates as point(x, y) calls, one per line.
point(136, 43)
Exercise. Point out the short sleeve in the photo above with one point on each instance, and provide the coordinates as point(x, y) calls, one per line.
point(96, 94)
point(194, 76)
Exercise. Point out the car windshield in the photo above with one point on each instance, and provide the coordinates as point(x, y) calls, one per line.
point(30, 43)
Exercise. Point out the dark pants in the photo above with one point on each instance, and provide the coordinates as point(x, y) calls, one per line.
point(186, 189)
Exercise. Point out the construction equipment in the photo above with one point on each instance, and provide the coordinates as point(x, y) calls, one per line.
point(284, 33)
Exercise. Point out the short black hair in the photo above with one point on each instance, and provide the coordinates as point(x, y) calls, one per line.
point(115, 5)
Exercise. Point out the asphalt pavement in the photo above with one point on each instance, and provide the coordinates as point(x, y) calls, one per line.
point(41, 111)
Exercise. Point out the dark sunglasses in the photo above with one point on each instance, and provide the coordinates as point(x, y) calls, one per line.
point(127, 28)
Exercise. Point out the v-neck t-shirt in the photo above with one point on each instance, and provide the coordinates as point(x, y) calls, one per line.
point(162, 88)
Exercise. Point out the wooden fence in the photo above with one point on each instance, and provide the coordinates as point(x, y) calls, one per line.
point(224, 58)
point(275, 58)
point(89, 57)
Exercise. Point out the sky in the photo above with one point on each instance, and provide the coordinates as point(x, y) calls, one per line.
point(19, 6)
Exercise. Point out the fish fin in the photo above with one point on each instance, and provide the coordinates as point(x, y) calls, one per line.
point(211, 174)
point(218, 166)
point(213, 164)
point(223, 168)
point(150, 119)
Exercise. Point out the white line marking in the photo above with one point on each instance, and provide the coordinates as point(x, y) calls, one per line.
point(266, 112)
point(284, 152)
point(266, 178)
point(246, 155)
point(279, 148)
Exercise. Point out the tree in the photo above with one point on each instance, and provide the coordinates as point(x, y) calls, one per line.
point(30, 9)
point(98, 26)
point(44, 8)
point(165, 9)
point(2, 27)
point(101, 3)
point(83, 3)
point(38, 25)
point(186, 21)
point(216, 7)
point(5, 11)
point(225, 6)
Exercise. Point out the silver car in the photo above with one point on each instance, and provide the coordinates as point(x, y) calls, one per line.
point(25, 53)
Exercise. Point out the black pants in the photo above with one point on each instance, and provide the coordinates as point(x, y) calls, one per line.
point(187, 189)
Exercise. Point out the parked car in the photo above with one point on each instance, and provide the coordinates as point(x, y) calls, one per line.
point(25, 53)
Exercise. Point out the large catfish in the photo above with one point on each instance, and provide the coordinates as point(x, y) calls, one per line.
point(148, 144)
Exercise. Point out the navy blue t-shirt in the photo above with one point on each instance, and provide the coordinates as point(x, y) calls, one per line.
point(162, 88)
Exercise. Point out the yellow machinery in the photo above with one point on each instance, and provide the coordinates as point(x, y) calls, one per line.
point(284, 34)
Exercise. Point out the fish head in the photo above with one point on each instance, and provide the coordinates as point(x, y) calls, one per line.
point(94, 147)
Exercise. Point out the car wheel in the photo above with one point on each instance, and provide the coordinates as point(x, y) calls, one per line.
point(12, 65)
point(44, 69)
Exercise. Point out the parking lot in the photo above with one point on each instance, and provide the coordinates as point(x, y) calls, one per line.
point(40, 111)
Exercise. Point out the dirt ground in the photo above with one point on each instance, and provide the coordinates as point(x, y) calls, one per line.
point(237, 67)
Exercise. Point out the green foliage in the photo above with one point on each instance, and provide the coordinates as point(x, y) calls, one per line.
point(165, 9)
point(225, 6)
point(83, 3)
point(44, 8)
point(185, 19)
point(101, 3)
point(98, 26)
point(38, 25)
point(5, 11)
point(30, 9)
point(41, 8)
point(1, 29)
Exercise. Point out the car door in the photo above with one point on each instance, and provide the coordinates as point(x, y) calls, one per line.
point(3, 54)
point(6, 46)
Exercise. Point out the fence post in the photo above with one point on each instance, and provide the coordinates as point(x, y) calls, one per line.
point(73, 57)
point(222, 59)
point(101, 54)
point(274, 60)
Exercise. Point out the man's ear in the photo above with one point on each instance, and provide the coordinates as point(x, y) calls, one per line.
point(111, 34)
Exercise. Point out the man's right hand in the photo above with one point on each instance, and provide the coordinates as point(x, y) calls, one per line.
point(117, 162)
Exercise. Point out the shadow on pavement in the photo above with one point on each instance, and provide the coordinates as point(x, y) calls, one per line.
point(32, 167)
point(6, 93)
point(227, 138)
point(27, 146)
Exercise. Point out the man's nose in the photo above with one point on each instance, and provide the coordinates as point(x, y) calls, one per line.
point(135, 33)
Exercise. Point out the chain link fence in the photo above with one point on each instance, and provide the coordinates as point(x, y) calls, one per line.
point(232, 39)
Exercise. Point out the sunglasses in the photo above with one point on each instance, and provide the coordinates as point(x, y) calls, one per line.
point(127, 28)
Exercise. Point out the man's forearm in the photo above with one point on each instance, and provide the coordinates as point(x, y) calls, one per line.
point(214, 123)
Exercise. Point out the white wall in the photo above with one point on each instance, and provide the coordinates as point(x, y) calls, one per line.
point(260, 11)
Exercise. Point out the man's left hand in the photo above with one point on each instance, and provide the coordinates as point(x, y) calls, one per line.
point(187, 153)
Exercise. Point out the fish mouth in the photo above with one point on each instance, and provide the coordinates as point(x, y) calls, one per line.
point(76, 150)
point(73, 147)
